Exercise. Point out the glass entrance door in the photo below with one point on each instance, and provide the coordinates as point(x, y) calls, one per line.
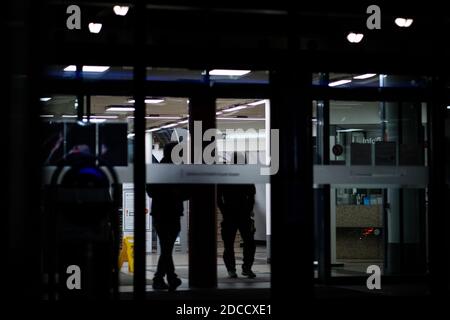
point(370, 180)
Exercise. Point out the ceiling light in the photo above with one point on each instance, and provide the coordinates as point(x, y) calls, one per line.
point(183, 122)
point(219, 113)
point(349, 130)
point(339, 83)
point(69, 116)
point(120, 109)
point(95, 27)
point(45, 99)
point(354, 37)
point(365, 76)
point(227, 72)
point(96, 120)
point(234, 108)
point(104, 117)
point(130, 135)
point(121, 10)
point(95, 68)
point(403, 22)
point(70, 68)
point(73, 68)
point(448, 107)
point(148, 100)
point(153, 129)
point(46, 115)
point(256, 103)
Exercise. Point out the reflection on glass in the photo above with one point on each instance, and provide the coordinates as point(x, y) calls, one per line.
point(369, 80)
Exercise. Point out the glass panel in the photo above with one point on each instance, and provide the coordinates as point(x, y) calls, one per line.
point(245, 207)
point(377, 133)
point(167, 123)
point(83, 203)
point(377, 178)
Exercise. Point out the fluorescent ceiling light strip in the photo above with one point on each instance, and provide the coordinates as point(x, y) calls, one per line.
point(256, 103)
point(46, 115)
point(183, 122)
point(96, 120)
point(219, 113)
point(120, 109)
point(228, 72)
point(45, 99)
point(99, 69)
point(104, 117)
point(95, 68)
point(365, 76)
point(68, 116)
point(339, 83)
point(448, 107)
point(349, 130)
point(234, 108)
point(152, 130)
point(148, 101)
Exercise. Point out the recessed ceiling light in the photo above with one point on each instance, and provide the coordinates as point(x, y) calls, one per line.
point(365, 76)
point(45, 99)
point(354, 37)
point(121, 10)
point(403, 22)
point(339, 83)
point(227, 72)
point(95, 27)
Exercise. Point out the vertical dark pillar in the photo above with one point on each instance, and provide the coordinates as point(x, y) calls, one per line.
point(202, 215)
point(438, 218)
point(139, 175)
point(21, 212)
point(292, 194)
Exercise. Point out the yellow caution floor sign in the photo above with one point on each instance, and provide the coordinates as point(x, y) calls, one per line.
point(126, 254)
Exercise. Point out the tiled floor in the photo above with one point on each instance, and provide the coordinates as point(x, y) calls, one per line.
point(260, 267)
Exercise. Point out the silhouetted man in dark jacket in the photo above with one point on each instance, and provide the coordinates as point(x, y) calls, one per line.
point(236, 202)
point(167, 208)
